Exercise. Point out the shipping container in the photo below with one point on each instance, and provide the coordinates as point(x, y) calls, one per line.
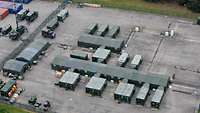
point(157, 97)
point(113, 31)
point(96, 86)
point(92, 28)
point(124, 92)
point(102, 30)
point(13, 8)
point(3, 13)
point(101, 55)
point(143, 94)
point(69, 80)
point(123, 59)
point(137, 60)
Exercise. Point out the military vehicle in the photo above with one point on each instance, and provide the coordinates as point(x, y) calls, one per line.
point(46, 33)
point(62, 15)
point(31, 16)
point(53, 24)
point(16, 34)
point(22, 14)
point(6, 29)
point(32, 100)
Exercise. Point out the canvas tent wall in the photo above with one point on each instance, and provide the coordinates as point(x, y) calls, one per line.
point(15, 67)
point(87, 41)
point(28, 55)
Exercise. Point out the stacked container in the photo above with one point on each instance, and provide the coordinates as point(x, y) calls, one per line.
point(13, 8)
point(3, 13)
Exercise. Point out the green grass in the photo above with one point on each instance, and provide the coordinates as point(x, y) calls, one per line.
point(170, 9)
point(4, 108)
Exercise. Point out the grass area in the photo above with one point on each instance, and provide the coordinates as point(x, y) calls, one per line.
point(4, 108)
point(170, 9)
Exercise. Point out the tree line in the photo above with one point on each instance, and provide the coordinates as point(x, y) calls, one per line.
point(193, 5)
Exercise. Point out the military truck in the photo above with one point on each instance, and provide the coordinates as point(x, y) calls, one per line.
point(6, 29)
point(62, 15)
point(22, 14)
point(46, 33)
point(31, 16)
point(52, 25)
point(32, 100)
point(16, 34)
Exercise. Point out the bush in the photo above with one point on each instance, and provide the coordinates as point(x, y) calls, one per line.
point(194, 5)
point(182, 2)
point(152, 0)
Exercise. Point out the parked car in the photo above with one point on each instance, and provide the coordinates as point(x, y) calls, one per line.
point(62, 15)
point(22, 14)
point(31, 16)
point(48, 33)
point(6, 29)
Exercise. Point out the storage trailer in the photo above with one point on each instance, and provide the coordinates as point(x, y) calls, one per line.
point(143, 94)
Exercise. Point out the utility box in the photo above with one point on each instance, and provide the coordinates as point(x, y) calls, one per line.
point(69, 80)
point(101, 55)
point(124, 92)
point(96, 86)
point(143, 94)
